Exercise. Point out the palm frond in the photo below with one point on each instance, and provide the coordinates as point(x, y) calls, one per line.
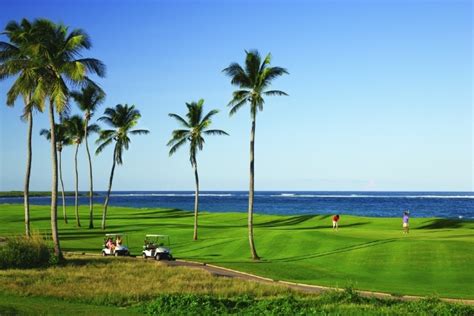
point(176, 146)
point(215, 132)
point(275, 92)
point(103, 145)
point(181, 120)
point(140, 132)
point(236, 106)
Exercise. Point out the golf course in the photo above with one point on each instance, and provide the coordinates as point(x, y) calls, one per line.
point(434, 259)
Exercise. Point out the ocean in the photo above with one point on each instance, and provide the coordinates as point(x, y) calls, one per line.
point(376, 204)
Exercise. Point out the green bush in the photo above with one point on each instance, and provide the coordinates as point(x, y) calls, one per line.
point(23, 253)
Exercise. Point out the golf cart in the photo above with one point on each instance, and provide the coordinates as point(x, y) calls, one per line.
point(115, 245)
point(158, 247)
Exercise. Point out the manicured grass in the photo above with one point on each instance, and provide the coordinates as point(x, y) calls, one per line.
point(367, 253)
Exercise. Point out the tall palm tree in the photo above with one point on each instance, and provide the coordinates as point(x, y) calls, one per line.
point(192, 130)
point(88, 100)
point(62, 139)
point(57, 53)
point(15, 60)
point(253, 81)
point(76, 130)
point(122, 119)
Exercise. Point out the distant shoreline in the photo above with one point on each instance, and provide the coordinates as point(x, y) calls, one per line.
point(11, 194)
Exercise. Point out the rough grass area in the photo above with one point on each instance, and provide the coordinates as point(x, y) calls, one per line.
point(125, 281)
point(121, 286)
point(368, 253)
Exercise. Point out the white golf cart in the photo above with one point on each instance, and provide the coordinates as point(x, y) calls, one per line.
point(115, 245)
point(158, 247)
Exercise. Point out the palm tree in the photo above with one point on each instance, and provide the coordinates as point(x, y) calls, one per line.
point(192, 131)
point(15, 60)
point(76, 130)
point(88, 100)
point(122, 119)
point(62, 139)
point(57, 56)
point(253, 82)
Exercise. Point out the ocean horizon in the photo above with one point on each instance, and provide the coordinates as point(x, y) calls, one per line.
point(445, 204)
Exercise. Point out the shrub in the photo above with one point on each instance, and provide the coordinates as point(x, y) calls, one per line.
point(23, 252)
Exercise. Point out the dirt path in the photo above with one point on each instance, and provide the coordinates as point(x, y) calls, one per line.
point(224, 272)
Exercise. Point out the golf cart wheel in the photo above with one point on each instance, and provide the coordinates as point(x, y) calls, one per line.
point(158, 257)
point(144, 256)
point(116, 254)
point(104, 254)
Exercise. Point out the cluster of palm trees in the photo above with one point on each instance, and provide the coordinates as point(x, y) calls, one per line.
point(46, 61)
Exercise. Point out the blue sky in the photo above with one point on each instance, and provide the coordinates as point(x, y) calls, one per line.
point(380, 93)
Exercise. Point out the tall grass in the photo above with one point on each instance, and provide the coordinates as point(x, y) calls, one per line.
point(122, 281)
point(23, 252)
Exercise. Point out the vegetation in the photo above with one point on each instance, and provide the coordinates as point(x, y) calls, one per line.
point(183, 291)
point(331, 303)
point(25, 252)
point(192, 130)
point(16, 61)
point(369, 253)
point(11, 194)
point(253, 83)
point(122, 119)
point(50, 56)
point(88, 100)
point(62, 139)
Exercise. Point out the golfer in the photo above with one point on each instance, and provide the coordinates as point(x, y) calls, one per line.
point(406, 217)
point(335, 222)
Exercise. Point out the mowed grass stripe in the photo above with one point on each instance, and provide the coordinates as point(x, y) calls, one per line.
point(370, 253)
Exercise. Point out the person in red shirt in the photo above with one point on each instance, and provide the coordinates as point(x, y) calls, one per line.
point(335, 222)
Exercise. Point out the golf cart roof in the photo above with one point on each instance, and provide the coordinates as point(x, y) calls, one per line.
point(116, 234)
point(156, 235)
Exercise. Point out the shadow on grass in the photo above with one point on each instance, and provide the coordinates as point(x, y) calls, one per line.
point(441, 223)
point(372, 243)
point(294, 220)
point(326, 226)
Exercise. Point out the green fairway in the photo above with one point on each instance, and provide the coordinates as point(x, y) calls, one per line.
point(367, 253)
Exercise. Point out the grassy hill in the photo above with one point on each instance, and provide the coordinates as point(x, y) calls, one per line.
point(367, 253)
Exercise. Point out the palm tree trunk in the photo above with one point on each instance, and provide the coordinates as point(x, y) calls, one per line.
point(76, 202)
point(91, 184)
point(252, 188)
point(196, 200)
point(62, 185)
point(54, 185)
point(26, 191)
point(104, 214)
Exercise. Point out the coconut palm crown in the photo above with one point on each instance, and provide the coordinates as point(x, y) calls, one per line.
point(193, 128)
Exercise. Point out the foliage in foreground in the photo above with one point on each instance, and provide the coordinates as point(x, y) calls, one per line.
point(347, 302)
point(116, 282)
point(26, 253)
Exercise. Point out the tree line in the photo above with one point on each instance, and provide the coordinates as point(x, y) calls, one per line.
point(45, 60)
